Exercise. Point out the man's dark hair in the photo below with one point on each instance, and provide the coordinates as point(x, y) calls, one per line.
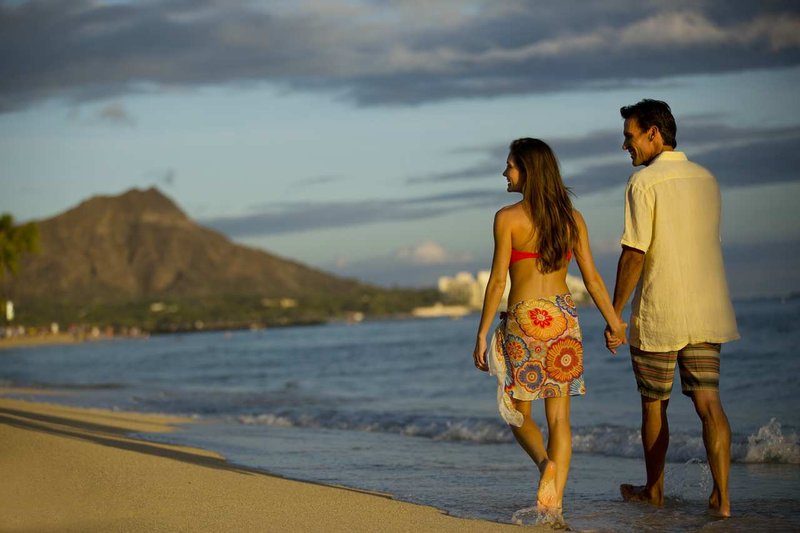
point(656, 113)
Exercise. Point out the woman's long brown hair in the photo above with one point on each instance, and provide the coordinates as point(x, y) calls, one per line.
point(548, 199)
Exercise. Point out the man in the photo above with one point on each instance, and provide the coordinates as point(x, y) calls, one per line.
point(681, 311)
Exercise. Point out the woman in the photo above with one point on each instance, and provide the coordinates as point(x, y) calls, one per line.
point(536, 351)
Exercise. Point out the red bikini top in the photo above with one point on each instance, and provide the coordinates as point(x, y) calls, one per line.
point(519, 255)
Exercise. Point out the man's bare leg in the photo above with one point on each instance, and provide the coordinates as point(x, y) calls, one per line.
point(717, 440)
point(529, 436)
point(559, 442)
point(655, 441)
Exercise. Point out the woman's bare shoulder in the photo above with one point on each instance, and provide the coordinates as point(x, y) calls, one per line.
point(511, 214)
point(579, 220)
point(516, 209)
point(514, 220)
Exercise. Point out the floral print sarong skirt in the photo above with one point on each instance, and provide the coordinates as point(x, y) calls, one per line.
point(537, 352)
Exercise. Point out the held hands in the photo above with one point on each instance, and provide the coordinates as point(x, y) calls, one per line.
point(615, 336)
point(479, 355)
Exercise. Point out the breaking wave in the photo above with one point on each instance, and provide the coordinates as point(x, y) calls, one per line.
point(768, 444)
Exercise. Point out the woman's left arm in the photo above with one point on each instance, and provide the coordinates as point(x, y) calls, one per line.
point(594, 282)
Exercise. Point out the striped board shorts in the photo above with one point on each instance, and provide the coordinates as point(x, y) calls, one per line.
point(698, 365)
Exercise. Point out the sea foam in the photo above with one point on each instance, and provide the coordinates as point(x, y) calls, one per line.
point(770, 445)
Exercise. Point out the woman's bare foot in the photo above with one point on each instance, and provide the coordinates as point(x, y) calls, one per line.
point(719, 506)
point(641, 493)
point(546, 496)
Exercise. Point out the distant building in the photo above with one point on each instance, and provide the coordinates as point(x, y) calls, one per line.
point(579, 293)
point(463, 289)
point(468, 290)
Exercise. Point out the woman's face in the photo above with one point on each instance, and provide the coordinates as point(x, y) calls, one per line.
point(513, 175)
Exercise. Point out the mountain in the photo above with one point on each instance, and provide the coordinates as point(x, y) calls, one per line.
point(139, 248)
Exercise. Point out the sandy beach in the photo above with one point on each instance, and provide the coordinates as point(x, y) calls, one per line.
point(70, 469)
point(23, 341)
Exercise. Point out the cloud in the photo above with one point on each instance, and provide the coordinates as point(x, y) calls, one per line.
point(169, 177)
point(492, 167)
point(166, 177)
point(430, 261)
point(429, 253)
point(375, 52)
point(737, 156)
point(115, 113)
point(318, 180)
point(391, 273)
point(292, 217)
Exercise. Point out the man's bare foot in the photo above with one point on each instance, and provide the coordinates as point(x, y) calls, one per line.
point(546, 496)
point(718, 506)
point(640, 493)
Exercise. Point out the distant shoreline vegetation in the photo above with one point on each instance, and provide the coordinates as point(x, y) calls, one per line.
point(222, 313)
point(77, 322)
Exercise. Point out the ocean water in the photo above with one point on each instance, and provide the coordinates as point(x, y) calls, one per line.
point(398, 407)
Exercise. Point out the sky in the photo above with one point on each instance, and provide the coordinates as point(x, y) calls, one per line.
point(368, 138)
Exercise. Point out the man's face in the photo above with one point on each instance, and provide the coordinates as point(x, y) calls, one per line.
point(639, 143)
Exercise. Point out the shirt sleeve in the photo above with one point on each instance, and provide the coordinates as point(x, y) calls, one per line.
point(639, 208)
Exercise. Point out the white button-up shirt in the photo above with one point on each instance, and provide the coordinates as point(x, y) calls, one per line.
point(672, 214)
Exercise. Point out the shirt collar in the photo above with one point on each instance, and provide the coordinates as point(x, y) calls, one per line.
point(670, 155)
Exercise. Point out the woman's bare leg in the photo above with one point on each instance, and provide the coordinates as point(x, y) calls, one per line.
point(529, 436)
point(559, 441)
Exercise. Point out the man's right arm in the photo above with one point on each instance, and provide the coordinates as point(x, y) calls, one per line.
point(629, 270)
point(635, 240)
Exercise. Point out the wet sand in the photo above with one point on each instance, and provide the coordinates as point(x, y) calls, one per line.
point(70, 469)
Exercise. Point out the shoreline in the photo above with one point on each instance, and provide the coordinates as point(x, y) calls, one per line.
point(25, 341)
point(65, 339)
point(78, 469)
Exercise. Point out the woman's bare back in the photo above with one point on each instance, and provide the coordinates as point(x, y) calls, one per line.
point(527, 282)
